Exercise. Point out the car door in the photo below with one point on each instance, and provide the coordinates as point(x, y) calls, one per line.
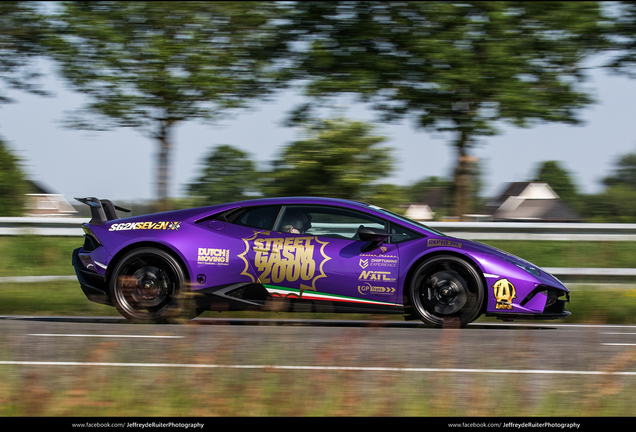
point(315, 252)
point(221, 247)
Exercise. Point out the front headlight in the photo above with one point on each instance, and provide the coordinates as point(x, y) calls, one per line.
point(527, 267)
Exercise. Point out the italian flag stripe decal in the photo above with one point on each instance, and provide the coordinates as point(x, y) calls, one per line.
point(314, 295)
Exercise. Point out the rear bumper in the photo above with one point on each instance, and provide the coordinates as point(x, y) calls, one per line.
point(93, 284)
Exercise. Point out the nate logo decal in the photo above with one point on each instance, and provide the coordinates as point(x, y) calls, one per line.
point(376, 276)
point(296, 260)
point(213, 256)
point(168, 226)
point(504, 293)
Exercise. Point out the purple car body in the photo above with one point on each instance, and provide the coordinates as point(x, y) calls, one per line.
point(302, 254)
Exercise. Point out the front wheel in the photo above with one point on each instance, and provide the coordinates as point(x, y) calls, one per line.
point(149, 286)
point(446, 290)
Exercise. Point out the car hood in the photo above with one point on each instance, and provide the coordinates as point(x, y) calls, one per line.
point(498, 261)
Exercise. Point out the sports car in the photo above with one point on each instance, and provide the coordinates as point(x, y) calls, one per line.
point(302, 254)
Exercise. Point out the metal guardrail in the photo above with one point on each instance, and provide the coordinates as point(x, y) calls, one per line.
point(42, 226)
point(65, 227)
point(466, 230)
point(537, 231)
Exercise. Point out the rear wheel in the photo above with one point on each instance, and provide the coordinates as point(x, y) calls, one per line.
point(148, 285)
point(446, 290)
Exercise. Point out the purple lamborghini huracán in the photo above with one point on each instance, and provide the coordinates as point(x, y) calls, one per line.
point(302, 254)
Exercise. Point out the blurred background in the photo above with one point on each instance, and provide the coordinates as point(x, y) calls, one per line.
point(445, 111)
point(483, 111)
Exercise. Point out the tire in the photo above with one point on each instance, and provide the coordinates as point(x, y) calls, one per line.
point(149, 285)
point(446, 291)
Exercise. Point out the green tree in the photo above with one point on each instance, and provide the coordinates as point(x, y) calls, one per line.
point(338, 159)
point(458, 68)
point(616, 204)
point(624, 172)
point(12, 184)
point(228, 175)
point(623, 37)
point(22, 32)
point(153, 65)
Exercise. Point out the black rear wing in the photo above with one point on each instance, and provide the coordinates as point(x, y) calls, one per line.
point(101, 210)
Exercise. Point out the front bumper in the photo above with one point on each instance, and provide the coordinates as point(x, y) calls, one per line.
point(554, 301)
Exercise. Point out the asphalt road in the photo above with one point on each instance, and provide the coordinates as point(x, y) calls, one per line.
point(546, 349)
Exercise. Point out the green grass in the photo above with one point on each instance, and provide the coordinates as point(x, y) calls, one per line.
point(618, 254)
point(33, 256)
point(37, 256)
point(120, 392)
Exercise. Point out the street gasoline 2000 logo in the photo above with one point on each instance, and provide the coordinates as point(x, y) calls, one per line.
point(296, 261)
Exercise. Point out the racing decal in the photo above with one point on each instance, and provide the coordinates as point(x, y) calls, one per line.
point(380, 257)
point(367, 288)
point(296, 261)
point(370, 275)
point(168, 226)
point(442, 242)
point(504, 293)
point(210, 256)
point(379, 262)
point(276, 291)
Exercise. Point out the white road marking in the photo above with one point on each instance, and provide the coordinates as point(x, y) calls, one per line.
point(320, 368)
point(620, 344)
point(104, 336)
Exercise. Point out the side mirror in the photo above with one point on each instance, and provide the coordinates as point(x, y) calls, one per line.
point(373, 236)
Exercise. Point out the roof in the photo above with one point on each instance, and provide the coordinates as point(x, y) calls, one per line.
point(526, 190)
point(519, 209)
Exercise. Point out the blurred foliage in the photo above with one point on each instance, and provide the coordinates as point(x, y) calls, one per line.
point(337, 159)
point(561, 182)
point(617, 202)
point(228, 175)
point(22, 31)
point(153, 65)
point(13, 186)
point(623, 37)
point(455, 67)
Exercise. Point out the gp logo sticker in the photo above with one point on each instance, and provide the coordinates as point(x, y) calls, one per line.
point(294, 260)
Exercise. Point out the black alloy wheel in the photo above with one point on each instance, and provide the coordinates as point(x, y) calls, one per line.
point(149, 286)
point(446, 290)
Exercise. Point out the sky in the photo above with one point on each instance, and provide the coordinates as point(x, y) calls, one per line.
point(120, 164)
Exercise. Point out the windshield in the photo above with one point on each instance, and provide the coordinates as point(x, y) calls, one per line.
point(406, 220)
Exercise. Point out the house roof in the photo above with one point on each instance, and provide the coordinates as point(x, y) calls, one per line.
point(522, 201)
point(519, 209)
point(526, 190)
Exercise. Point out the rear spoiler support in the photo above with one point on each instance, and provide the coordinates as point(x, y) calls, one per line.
point(101, 210)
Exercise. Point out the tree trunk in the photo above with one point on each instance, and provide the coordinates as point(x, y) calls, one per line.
point(462, 178)
point(163, 167)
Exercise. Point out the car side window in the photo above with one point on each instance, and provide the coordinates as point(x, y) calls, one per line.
point(399, 234)
point(326, 221)
point(258, 217)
